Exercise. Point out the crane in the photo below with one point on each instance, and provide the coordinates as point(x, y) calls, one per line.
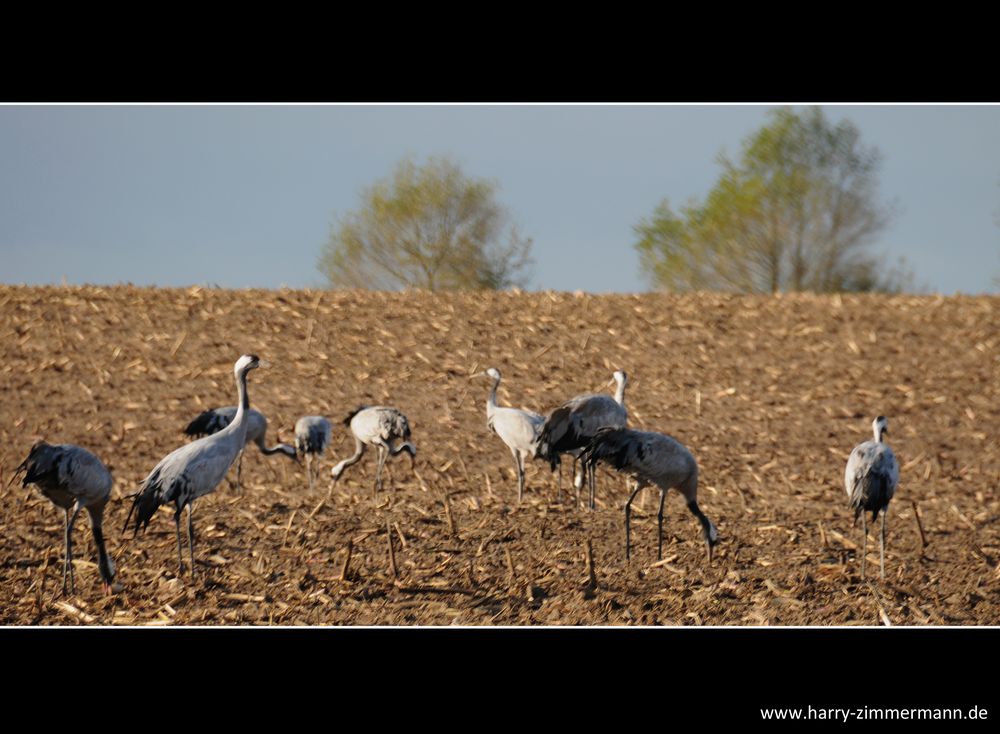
point(518, 429)
point(571, 426)
point(870, 478)
point(312, 436)
point(379, 426)
point(195, 469)
point(74, 479)
point(651, 459)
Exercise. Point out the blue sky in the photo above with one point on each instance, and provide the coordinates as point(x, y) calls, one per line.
point(245, 196)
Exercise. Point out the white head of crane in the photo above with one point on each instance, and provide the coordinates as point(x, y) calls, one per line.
point(620, 379)
point(880, 427)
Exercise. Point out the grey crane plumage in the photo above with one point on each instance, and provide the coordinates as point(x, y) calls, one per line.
point(312, 436)
point(378, 426)
point(195, 469)
point(571, 426)
point(651, 459)
point(214, 420)
point(74, 479)
point(517, 428)
point(870, 479)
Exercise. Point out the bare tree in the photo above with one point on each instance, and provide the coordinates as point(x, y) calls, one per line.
point(427, 227)
point(798, 211)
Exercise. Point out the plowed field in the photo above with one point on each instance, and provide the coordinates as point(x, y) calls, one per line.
point(769, 393)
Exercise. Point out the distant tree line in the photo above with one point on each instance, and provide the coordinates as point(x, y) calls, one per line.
point(798, 210)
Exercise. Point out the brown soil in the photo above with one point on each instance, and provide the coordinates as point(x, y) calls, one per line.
point(770, 393)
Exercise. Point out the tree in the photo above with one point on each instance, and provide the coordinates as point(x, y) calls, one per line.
point(798, 211)
point(426, 227)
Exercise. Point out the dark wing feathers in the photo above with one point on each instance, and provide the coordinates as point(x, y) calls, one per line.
point(209, 422)
point(613, 446)
point(558, 434)
point(402, 425)
point(152, 495)
point(313, 440)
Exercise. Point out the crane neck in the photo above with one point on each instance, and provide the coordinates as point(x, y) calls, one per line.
point(243, 404)
point(620, 393)
point(491, 401)
point(878, 434)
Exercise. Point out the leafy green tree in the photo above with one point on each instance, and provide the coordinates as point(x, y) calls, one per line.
point(797, 211)
point(429, 227)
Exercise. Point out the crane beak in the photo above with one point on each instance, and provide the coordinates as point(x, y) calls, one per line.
point(263, 364)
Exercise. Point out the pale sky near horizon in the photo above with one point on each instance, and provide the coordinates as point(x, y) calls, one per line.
point(245, 195)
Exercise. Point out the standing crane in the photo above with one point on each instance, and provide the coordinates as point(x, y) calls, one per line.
point(195, 469)
point(870, 478)
point(378, 426)
point(518, 429)
point(214, 420)
point(73, 478)
point(571, 426)
point(312, 436)
point(651, 459)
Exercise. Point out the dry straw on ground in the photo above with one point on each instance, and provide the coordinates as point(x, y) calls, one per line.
point(769, 393)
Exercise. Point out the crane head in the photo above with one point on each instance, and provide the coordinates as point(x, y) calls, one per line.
point(492, 372)
point(619, 378)
point(246, 363)
point(881, 427)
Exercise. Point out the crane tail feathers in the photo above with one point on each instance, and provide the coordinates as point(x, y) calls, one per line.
point(607, 446)
point(144, 505)
point(561, 432)
point(311, 442)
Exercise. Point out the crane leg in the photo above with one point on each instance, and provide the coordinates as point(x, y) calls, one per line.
point(592, 476)
point(177, 528)
point(68, 562)
point(190, 540)
point(659, 527)
point(67, 550)
point(520, 476)
point(578, 479)
point(628, 518)
point(309, 470)
point(378, 470)
point(864, 544)
point(881, 548)
point(559, 495)
point(239, 472)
